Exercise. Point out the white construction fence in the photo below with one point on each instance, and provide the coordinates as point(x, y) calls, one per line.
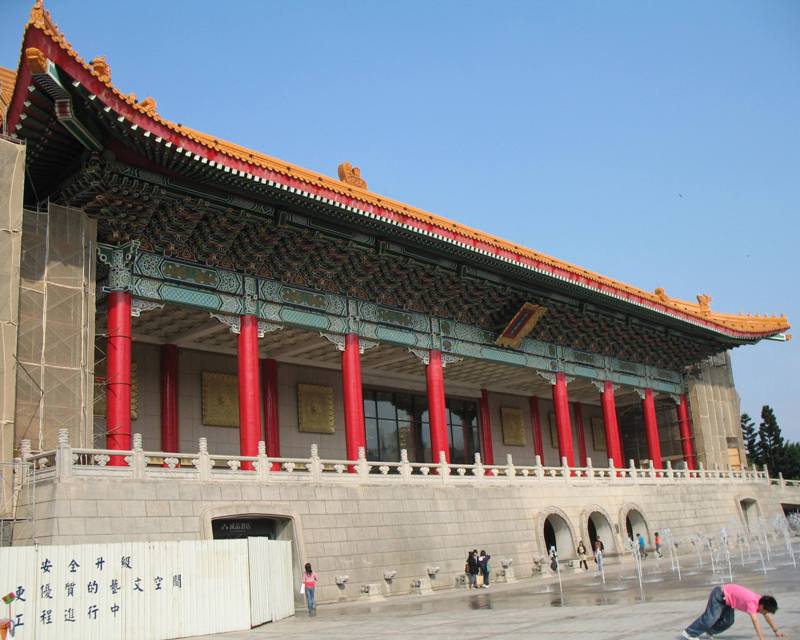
point(145, 590)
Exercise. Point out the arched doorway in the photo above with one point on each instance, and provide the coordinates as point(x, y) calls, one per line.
point(599, 526)
point(557, 534)
point(635, 523)
point(749, 512)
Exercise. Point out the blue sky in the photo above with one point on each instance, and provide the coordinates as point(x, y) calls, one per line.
point(654, 142)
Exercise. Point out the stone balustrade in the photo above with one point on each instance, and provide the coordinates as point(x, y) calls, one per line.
point(66, 461)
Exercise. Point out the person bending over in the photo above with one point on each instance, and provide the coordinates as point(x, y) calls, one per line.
point(719, 612)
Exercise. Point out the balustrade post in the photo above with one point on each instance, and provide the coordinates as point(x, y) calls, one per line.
point(670, 472)
point(25, 449)
point(478, 471)
point(137, 462)
point(405, 467)
point(444, 468)
point(203, 461)
point(565, 472)
point(315, 466)
point(701, 472)
point(781, 481)
point(612, 470)
point(63, 455)
point(362, 466)
point(539, 469)
point(651, 471)
point(730, 472)
point(766, 473)
point(511, 470)
point(589, 470)
point(633, 472)
point(263, 464)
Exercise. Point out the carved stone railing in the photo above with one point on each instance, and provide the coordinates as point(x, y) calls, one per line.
point(66, 461)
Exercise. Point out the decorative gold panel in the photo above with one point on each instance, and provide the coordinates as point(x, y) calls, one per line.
point(551, 421)
point(513, 426)
point(220, 399)
point(523, 322)
point(315, 409)
point(100, 393)
point(598, 434)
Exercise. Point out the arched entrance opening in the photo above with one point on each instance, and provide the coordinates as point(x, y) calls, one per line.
point(635, 523)
point(600, 527)
point(749, 512)
point(558, 535)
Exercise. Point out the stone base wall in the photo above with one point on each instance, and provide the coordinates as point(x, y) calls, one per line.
point(362, 530)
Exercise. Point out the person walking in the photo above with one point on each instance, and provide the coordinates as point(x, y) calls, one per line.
point(719, 612)
point(309, 586)
point(598, 554)
point(472, 569)
point(582, 556)
point(640, 541)
point(483, 564)
point(658, 543)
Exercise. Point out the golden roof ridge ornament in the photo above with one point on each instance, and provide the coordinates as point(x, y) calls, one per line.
point(101, 69)
point(351, 175)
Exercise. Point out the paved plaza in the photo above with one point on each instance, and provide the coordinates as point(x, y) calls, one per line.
point(533, 608)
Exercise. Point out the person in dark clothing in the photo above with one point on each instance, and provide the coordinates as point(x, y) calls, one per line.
point(582, 556)
point(483, 564)
point(472, 568)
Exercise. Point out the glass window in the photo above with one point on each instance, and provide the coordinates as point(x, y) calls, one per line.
point(373, 446)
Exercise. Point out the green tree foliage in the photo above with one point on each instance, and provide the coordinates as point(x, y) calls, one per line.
point(767, 446)
point(750, 436)
point(770, 440)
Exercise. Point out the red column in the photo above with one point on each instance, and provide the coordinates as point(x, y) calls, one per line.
point(269, 372)
point(685, 426)
point(563, 423)
point(436, 407)
point(249, 407)
point(486, 428)
point(169, 398)
point(651, 428)
point(354, 433)
point(536, 427)
point(613, 440)
point(581, 433)
point(118, 375)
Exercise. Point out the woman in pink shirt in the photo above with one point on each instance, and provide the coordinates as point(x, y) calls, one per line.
point(309, 586)
point(719, 612)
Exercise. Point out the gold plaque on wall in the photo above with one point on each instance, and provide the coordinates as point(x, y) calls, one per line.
point(100, 393)
point(315, 409)
point(551, 419)
point(598, 434)
point(220, 393)
point(513, 427)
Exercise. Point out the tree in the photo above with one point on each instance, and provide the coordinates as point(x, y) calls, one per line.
point(750, 436)
point(771, 446)
point(791, 462)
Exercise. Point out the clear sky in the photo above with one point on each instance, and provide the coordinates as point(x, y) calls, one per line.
point(654, 142)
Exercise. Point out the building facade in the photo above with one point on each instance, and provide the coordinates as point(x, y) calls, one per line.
point(290, 346)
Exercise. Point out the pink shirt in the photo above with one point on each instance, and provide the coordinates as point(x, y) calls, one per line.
point(310, 579)
point(738, 597)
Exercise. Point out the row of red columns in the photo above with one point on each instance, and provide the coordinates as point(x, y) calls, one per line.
point(250, 391)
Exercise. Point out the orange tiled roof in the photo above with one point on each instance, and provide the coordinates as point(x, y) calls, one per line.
point(7, 78)
point(221, 151)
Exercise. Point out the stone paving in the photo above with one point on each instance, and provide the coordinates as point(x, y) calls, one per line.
point(533, 608)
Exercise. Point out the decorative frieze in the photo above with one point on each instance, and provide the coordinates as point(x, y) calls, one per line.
point(228, 294)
